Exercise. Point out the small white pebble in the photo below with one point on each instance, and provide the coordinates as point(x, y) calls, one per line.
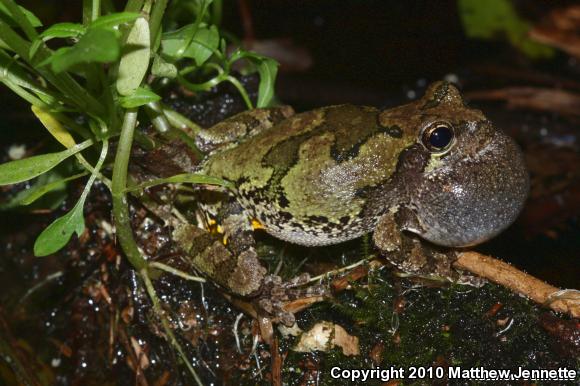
point(107, 227)
point(453, 78)
point(16, 151)
point(55, 362)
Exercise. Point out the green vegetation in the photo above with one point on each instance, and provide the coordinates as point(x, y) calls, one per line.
point(89, 92)
point(488, 19)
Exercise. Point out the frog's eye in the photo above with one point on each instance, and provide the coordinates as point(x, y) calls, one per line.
point(438, 137)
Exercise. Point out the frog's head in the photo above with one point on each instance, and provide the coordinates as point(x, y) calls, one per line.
point(466, 180)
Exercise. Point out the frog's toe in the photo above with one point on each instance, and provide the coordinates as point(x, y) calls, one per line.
point(277, 294)
point(275, 310)
point(298, 281)
point(286, 318)
point(272, 281)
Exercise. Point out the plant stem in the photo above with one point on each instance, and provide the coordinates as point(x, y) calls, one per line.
point(155, 113)
point(125, 233)
point(176, 272)
point(120, 204)
point(242, 91)
point(32, 99)
point(181, 122)
point(166, 327)
point(156, 18)
point(134, 5)
point(20, 19)
point(76, 95)
point(217, 11)
point(96, 11)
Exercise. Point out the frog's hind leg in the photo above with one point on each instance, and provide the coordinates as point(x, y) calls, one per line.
point(224, 251)
point(241, 126)
point(227, 255)
point(273, 292)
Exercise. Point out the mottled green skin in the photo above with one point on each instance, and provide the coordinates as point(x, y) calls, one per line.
point(335, 173)
point(305, 178)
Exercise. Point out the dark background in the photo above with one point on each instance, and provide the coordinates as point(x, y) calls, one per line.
point(384, 53)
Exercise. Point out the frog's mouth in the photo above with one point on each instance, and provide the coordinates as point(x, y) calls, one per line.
point(472, 196)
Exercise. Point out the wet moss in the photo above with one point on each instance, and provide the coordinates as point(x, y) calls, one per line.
point(445, 326)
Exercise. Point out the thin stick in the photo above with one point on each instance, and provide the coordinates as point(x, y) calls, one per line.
point(510, 277)
point(175, 271)
point(13, 356)
point(342, 269)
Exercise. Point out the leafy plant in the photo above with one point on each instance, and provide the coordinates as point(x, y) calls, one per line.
point(104, 72)
point(487, 19)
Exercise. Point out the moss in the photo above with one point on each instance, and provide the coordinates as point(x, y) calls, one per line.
point(446, 326)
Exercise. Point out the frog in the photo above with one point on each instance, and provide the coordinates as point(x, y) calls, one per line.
point(423, 178)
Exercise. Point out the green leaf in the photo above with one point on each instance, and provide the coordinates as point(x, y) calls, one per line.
point(11, 71)
point(163, 69)
point(6, 16)
point(34, 47)
point(114, 19)
point(63, 30)
point(54, 127)
point(181, 43)
point(172, 43)
point(28, 168)
point(135, 60)
point(182, 178)
point(140, 97)
point(203, 45)
point(267, 68)
point(37, 192)
point(492, 18)
point(16, 200)
point(57, 234)
point(95, 46)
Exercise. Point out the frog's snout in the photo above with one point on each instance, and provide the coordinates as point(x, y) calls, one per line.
point(475, 197)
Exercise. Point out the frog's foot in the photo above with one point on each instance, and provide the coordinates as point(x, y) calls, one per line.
point(276, 295)
point(421, 259)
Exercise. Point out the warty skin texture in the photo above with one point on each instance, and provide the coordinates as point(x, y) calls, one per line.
point(328, 175)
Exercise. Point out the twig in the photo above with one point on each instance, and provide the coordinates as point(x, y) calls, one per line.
point(175, 271)
point(165, 324)
point(235, 331)
point(534, 98)
point(276, 363)
point(24, 372)
point(133, 359)
point(343, 269)
point(46, 280)
point(510, 277)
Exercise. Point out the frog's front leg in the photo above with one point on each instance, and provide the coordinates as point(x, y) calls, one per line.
point(408, 252)
point(241, 126)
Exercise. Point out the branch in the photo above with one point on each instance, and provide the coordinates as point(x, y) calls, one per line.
point(510, 277)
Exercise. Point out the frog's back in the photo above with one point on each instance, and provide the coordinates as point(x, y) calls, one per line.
point(305, 179)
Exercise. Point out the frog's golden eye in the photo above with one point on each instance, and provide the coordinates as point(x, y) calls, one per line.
point(438, 137)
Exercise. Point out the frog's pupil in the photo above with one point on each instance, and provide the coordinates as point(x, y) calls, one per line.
point(440, 137)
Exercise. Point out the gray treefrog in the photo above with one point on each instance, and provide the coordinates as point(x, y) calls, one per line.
point(433, 170)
